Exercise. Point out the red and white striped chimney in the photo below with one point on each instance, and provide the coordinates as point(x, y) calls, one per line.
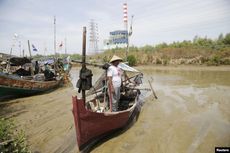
point(125, 17)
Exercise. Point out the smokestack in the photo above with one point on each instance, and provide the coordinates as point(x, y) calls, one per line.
point(125, 17)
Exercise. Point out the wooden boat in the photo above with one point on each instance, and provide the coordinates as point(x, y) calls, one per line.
point(93, 119)
point(92, 126)
point(16, 81)
point(13, 85)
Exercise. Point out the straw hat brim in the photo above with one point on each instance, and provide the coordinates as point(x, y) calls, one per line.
point(115, 58)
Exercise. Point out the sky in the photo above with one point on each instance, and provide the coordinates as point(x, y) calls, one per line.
point(155, 21)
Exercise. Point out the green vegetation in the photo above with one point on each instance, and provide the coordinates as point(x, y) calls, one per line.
point(199, 51)
point(72, 56)
point(131, 60)
point(11, 140)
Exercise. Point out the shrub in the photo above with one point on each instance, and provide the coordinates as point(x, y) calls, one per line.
point(225, 61)
point(158, 61)
point(131, 60)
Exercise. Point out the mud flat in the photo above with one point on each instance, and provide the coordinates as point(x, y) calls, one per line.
point(191, 115)
point(46, 119)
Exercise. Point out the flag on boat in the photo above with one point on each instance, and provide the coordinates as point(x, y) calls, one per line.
point(34, 48)
point(61, 45)
point(15, 35)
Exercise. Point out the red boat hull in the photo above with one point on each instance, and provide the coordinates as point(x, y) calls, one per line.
point(92, 125)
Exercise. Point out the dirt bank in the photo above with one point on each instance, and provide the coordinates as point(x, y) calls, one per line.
point(46, 119)
point(191, 114)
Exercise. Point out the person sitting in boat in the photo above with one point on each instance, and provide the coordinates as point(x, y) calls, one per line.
point(36, 71)
point(49, 75)
point(114, 75)
point(21, 71)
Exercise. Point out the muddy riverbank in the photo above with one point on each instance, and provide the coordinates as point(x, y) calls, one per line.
point(191, 114)
point(46, 119)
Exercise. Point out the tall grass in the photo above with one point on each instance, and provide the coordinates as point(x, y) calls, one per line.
point(11, 140)
point(199, 51)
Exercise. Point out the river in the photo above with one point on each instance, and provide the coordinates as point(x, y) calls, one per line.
point(191, 114)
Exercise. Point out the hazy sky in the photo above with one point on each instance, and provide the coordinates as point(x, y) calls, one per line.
point(155, 21)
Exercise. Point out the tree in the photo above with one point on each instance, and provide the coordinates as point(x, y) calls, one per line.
point(226, 39)
point(131, 60)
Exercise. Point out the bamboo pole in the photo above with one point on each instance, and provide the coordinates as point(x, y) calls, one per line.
point(29, 49)
point(154, 94)
point(32, 72)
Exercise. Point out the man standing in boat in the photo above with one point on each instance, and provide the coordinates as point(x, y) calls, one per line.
point(114, 75)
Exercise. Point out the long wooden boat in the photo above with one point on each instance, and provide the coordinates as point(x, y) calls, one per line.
point(92, 126)
point(93, 121)
point(13, 85)
point(92, 112)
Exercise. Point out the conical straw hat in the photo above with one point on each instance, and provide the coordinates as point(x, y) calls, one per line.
point(115, 58)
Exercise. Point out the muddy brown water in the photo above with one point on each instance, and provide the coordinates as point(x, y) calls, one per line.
point(191, 115)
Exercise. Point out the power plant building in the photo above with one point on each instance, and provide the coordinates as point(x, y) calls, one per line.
point(117, 39)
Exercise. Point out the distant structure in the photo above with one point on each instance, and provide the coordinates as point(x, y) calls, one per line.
point(119, 38)
point(93, 37)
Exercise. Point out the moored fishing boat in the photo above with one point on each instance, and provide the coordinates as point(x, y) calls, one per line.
point(13, 85)
point(21, 78)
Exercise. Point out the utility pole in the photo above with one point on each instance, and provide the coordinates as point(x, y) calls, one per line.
point(129, 34)
point(55, 36)
point(20, 48)
point(32, 70)
point(65, 46)
point(11, 50)
point(55, 44)
point(93, 37)
point(29, 49)
point(45, 49)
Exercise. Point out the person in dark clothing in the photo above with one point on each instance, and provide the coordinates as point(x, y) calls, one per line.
point(49, 75)
point(36, 68)
point(22, 72)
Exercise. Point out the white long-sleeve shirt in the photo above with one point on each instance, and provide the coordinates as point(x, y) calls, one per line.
point(115, 73)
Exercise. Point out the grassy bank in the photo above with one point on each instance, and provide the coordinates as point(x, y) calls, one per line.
point(11, 140)
point(199, 51)
point(172, 56)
